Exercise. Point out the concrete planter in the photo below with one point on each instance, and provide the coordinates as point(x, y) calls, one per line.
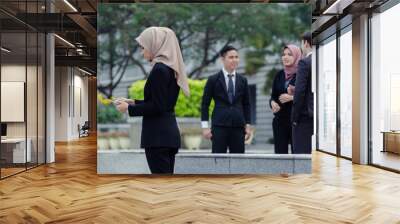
point(124, 142)
point(102, 143)
point(190, 130)
point(191, 133)
point(113, 136)
point(192, 141)
point(112, 127)
point(114, 143)
point(135, 131)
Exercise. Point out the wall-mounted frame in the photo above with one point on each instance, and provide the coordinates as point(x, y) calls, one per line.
point(12, 98)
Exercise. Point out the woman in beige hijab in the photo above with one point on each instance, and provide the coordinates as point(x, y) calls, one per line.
point(160, 134)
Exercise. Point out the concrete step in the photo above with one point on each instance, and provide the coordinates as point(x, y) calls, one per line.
point(201, 162)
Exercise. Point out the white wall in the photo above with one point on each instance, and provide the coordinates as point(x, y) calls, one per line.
point(61, 103)
point(80, 96)
point(71, 94)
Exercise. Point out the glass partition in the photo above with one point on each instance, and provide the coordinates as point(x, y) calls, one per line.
point(13, 95)
point(22, 87)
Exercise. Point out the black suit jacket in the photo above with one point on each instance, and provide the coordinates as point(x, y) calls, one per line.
point(303, 100)
point(159, 127)
point(226, 114)
point(278, 88)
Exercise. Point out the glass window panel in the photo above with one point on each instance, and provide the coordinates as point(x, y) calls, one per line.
point(327, 96)
point(346, 94)
point(385, 87)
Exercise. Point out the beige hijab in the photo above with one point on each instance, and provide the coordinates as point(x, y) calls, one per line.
point(163, 45)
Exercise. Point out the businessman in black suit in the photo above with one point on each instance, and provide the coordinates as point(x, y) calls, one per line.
point(231, 116)
point(303, 102)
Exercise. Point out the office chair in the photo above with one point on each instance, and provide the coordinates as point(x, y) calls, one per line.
point(84, 130)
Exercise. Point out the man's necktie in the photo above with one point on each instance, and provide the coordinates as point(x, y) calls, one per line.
point(231, 89)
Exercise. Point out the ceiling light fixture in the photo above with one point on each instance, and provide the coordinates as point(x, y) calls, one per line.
point(86, 72)
point(70, 5)
point(5, 49)
point(338, 6)
point(64, 40)
point(79, 51)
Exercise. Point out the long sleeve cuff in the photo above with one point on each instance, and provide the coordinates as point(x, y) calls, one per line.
point(204, 124)
point(129, 110)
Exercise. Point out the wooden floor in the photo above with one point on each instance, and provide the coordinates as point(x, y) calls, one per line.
point(5, 172)
point(70, 191)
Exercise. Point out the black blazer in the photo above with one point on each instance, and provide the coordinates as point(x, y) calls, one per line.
point(159, 127)
point(226, 114)
point(278, 88)
point(303, 100)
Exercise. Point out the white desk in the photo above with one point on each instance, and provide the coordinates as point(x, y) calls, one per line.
point(19, 149)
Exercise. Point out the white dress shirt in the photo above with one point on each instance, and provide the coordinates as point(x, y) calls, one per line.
point(227, 78)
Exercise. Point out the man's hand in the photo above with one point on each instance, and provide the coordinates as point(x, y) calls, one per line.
point(207, 133)
point(291, 90)
point(121, 106)
point(248, 132)
point(128, 101)
point(275, 106)
point(284, 98)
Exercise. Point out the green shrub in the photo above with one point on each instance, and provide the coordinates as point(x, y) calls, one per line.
point(136, 90)
point(185, 106)
point(108, 114)
point(106, 111)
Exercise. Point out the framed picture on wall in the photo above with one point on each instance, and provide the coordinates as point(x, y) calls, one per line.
point(12, 101)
